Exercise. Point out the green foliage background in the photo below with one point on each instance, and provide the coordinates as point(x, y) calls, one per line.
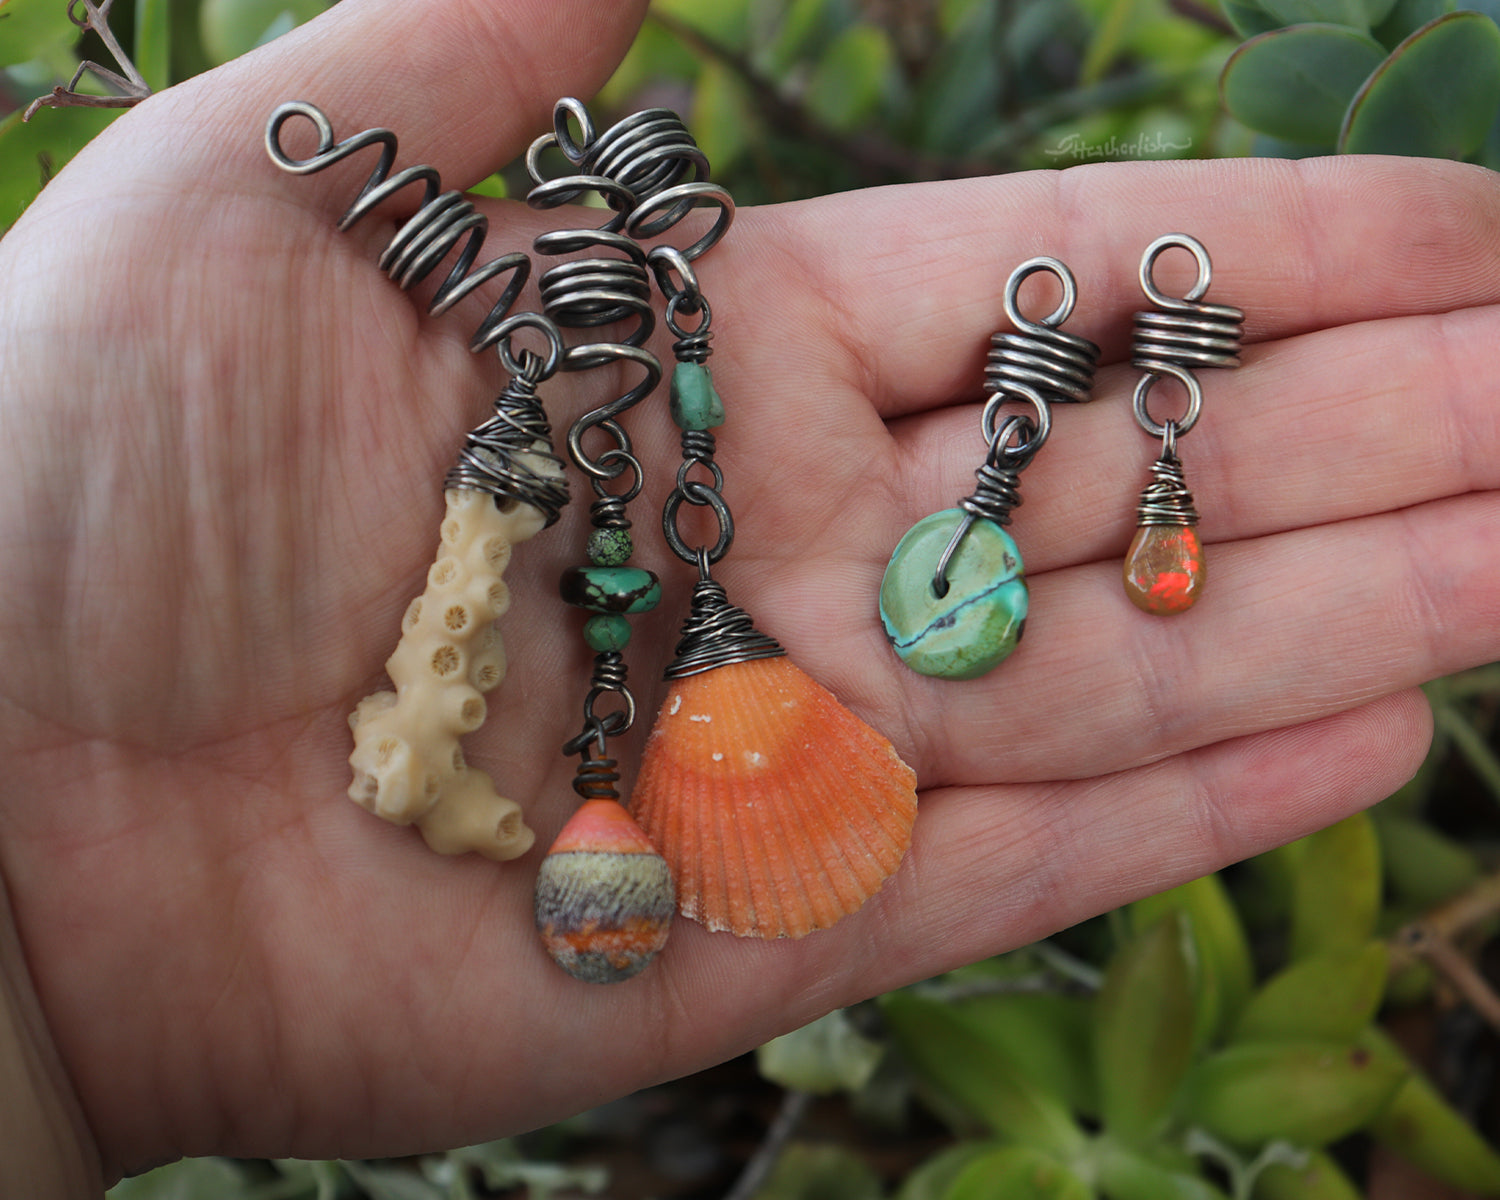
point(1225, 1038)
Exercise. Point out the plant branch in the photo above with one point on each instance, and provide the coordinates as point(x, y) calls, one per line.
point(131, 83)
point(763, 1161)
point(1432, 937)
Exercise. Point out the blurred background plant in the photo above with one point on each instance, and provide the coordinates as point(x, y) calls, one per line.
point(1315, 1023)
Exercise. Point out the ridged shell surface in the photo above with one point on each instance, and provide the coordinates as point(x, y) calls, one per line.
point(778, 810)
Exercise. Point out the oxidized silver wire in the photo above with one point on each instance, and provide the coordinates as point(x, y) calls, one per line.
point(1037, 365)
point(443, 221)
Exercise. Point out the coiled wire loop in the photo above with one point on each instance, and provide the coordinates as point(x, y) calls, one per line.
point(443, 221)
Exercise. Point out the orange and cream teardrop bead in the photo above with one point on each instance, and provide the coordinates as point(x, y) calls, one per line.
point(778, 810)
point(604, 897)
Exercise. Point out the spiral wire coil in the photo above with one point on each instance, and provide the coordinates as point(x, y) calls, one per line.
point(1166, 500)
point(443, 221)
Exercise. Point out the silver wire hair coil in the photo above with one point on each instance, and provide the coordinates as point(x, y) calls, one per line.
point(443, 221)
point(646, 167)
point(1038, 356)
point(1184, 332)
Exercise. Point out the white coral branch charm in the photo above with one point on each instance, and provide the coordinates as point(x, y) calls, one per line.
point(408, 765)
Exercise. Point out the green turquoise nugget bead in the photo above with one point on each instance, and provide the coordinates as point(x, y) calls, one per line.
point(977, 623)
point(610, 589)
point(609, 547)
point(694, 402)
point(607, 631)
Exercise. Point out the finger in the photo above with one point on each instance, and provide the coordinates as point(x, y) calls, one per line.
point(1295, 627)
point(897, 290)
point(1316, 428)
point(992, 869)
point(464, 85)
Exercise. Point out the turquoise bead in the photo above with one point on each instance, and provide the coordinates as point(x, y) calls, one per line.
point(610, 589)
point(609, 547)
point(693, 401)
point(607, 631)
point(977, 623)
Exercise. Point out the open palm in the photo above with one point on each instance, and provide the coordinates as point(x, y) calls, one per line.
point(227, 431)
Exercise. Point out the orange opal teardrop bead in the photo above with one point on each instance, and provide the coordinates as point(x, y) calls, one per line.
point(1165, 569)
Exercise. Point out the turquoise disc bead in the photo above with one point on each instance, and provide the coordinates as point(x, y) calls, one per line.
point(977, 623)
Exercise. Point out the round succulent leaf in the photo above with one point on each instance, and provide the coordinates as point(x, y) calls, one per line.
point(1296, 84)
point(1336, 888)
point(1248, 17)
point(1360, 14)
point(1048, 1037)
point(1128, 1173)
point(1408, 16)
point(1436, 96)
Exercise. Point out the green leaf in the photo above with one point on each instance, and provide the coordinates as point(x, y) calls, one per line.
point(230, 28)
point(1248, 17)
point(933, 1177)
point(1223, 972)
point(1126, 1173)
point(723, 116)
point(1407, 16)
point(153, 43)
point(1143, 1030)
point(852, 77)
point(1048, 1037)
point(1422, 866)
point(1361, 14)
point(1296, 84)
point(1423, 1128)
point(822, 1172)
point(1308, 1093)
point(1325, 997)
point(1336, 889)
point(32, 152)
point(1017, 1173)
point(1436, 96)
point(1319, 1178)
point(31, 29)
point(949, 1053)
point(825, 1056)
point(188, 1179)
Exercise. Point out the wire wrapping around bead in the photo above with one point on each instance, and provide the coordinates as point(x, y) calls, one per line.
point(717, 633)
point(442, 222)
point(596, 778)
point(502, 456)
point(998, 488)
point(1166, 499)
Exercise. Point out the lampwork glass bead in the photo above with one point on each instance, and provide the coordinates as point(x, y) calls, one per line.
point(1165, 569)
point(977, 622)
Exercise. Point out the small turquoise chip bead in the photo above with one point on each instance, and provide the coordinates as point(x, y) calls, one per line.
point(610, 589)
point(606, 631)
point(973, 626)
point(693, 400)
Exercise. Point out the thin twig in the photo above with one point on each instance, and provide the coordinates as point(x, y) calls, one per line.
point(131, 83)
point(763, 1161)
point(1450, 920)
point(1450, 963)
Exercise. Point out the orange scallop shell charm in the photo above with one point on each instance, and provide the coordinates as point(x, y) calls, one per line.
point(778, 810)
point(603, 896)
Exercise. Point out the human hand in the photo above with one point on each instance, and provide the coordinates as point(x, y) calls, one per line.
point(230, 431)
